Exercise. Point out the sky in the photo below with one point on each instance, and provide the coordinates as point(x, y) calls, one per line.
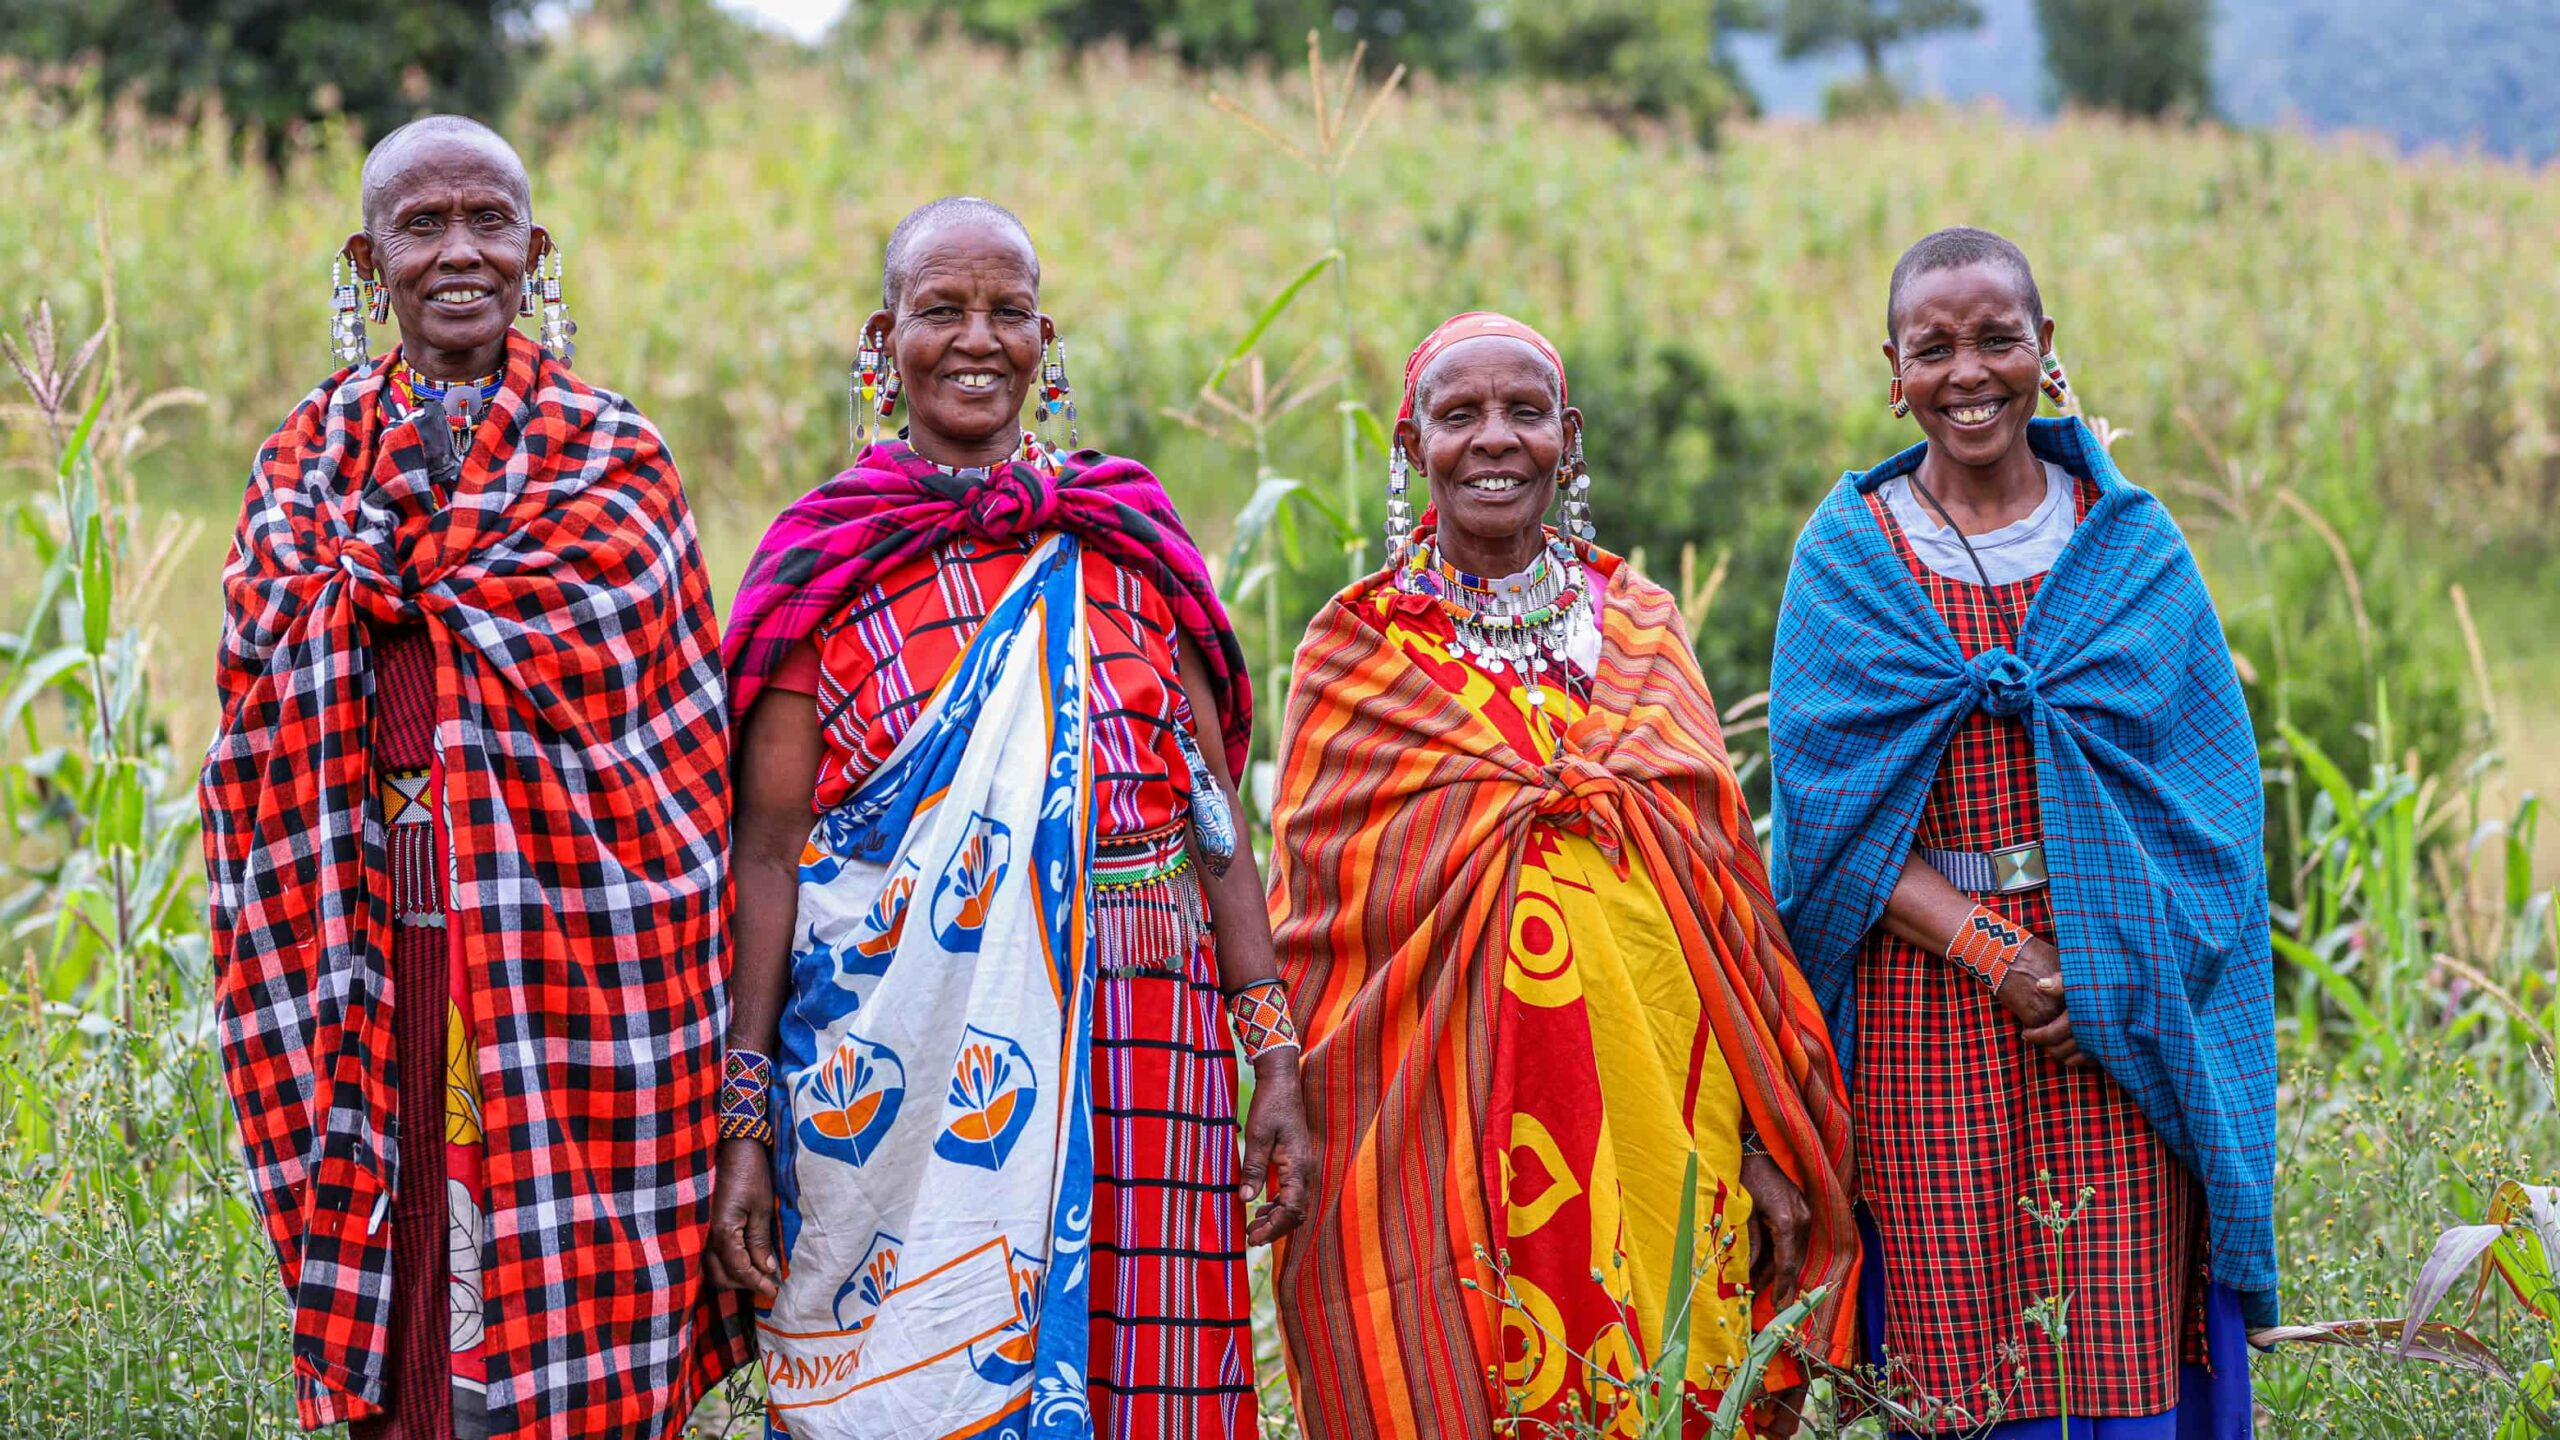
point(807, 19)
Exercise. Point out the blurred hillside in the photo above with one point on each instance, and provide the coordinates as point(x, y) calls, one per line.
point(2451, 73)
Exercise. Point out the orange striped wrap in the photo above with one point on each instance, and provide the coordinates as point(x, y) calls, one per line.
point(1399, 828)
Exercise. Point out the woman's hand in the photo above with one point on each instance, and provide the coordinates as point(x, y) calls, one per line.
point(2033, 992)
point(1780, 1223)
point(1279, 1150)
point(741, 1254)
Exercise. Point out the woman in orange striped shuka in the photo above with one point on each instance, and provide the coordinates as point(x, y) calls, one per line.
point(1518, 901)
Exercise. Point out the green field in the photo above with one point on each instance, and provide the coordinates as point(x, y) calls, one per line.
point(2342, 367)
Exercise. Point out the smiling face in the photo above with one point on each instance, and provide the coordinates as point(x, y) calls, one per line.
point(450, 234)
point(967, 335)
point(1490, 429)
point(1969, 348)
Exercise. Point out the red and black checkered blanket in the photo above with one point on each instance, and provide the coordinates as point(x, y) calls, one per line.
point(581, 731)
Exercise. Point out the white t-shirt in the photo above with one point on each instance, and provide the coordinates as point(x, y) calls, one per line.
point(2012, 553)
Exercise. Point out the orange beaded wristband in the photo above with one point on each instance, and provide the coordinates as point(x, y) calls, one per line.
point(1985, 944)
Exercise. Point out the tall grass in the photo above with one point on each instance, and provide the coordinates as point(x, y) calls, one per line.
point(2334, 360)
point(2368, 330)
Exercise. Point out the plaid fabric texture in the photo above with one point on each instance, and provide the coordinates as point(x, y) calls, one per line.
point(1172, 1339)
point(585, 761)
point(1958, 1119)
point(2147, 774)
point(894, 506)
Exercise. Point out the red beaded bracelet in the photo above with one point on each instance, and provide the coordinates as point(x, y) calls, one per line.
point(1985, 944)
point(1260, 1014)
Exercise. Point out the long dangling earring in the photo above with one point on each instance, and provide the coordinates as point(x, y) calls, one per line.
point(1577, 495)
point(1399, 532)
point(557, 327)
point(2055, 383)
point(346, 317)
point(1901, 407)
point(1056, 395)
point(890, 384)
point(862, 391)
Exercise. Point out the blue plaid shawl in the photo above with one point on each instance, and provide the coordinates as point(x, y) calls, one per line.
point(2153, 808)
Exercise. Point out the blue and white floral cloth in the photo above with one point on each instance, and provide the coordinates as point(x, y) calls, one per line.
point(934, 1162)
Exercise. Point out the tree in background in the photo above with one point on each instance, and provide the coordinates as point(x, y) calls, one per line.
point(1869, 27)
point(1437, 33)
point(2140, 57)
point(1653, 58)
point(276, 62)
point(1630, 57)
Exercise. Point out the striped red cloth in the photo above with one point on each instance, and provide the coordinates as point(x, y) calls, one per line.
point(1397, 986)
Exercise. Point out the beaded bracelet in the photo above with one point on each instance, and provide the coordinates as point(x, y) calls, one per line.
point(746, 1097)
point(1260, 1014)
point(1985, 944)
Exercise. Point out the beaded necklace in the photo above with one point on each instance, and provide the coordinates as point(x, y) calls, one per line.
point(1033, 453)
point(464, 401)
point(1520, 624)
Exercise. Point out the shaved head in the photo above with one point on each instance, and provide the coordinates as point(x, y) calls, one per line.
point(439, 137)
point(1954, 249)
point(925, 220)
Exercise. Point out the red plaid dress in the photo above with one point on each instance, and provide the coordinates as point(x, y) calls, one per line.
point(1172, 1346)
point(1957, 1118)
point(582, 752)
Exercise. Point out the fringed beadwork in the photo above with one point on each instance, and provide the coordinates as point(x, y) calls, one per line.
point(1148, 912)
point(746, 1097)
point(1260, 1014)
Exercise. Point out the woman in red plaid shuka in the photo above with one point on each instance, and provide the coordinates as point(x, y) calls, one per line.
point(465, 820)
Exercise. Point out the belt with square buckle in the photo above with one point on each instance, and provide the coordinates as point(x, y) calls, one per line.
point(1992, 872)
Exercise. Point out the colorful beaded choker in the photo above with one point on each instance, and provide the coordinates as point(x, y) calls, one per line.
point(409, 390)
point(1033, 453)
point(1519, 624)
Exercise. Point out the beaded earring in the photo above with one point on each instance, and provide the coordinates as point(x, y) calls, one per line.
point(557, 327)
point(1399, 530)
point(2055, 383)
point(871, 389)
point(347, 340)
point(1901, 407)
point(1577, 495)
point(524, 295)
point(1040, 455)
point(378, 302)
point(1055, 395)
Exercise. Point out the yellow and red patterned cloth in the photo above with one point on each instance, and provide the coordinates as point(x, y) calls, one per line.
point(1576, 976)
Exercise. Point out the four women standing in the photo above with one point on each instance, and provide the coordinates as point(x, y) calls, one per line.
point(981, 1166)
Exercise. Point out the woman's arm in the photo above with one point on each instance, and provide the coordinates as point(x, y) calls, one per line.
point(1925, 910)
point(779, 752)
point(1277, 1145)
